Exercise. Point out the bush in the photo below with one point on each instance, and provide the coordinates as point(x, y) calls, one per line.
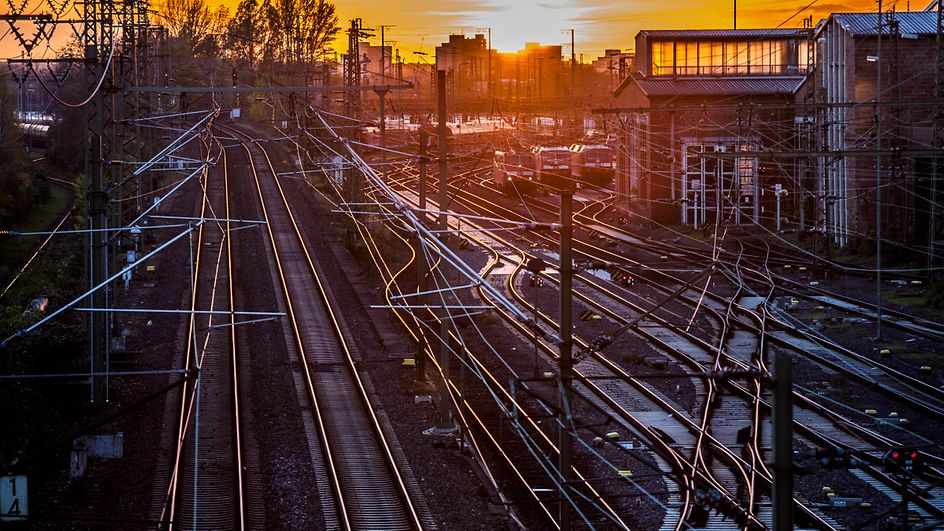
point(936, 295)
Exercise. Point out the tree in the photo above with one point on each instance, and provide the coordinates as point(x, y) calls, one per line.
point(19, 191)
point(193, 25)
point(244, 33)
point(299, 30)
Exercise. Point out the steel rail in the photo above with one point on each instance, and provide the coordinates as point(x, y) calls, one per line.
point(359, 503)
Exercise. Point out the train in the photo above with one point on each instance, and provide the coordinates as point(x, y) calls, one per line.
point(34, 128)
point(513, 172)
point(593, 164)
point(555, 167)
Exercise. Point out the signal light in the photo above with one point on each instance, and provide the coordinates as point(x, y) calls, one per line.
point(837, 458)
point(622, 277)
point(906, 460)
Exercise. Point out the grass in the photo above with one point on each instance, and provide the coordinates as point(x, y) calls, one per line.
point(17, 249)
point(906, 299)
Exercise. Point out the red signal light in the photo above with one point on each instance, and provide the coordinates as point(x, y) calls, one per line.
point(914, 454)
point(895, 455)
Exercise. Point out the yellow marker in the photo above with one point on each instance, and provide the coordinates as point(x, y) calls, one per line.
point(893, 414)
point(802, 268)
point(830, 494)
point(885, 352)
point(548, 375)
point(827, 489)
point(625, 473)
point(613, 435)
point(865, 505)
point(871, 412)
point(926, 368)
point(409, 362)
point(787, 266)
point(664, 258)
point(916, 282)
point(903, 421)
point(151, 268)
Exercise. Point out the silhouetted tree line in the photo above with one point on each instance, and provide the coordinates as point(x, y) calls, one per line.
point(260, 34)
point(20, 192)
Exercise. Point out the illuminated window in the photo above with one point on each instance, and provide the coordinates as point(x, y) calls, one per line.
point(691, 59)
point(741, 58)
point(717, 58)
point(803, 50)
point(755, 57)
point(704, 58)
point(663, 58)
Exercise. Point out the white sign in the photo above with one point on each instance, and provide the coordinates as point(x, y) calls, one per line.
point(13, 500)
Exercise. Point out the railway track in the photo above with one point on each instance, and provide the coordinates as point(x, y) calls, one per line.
point(207, 485)
point(616, 397)
point(889, 381)
point(727, 334)
point(368, 488)
point(860, 442)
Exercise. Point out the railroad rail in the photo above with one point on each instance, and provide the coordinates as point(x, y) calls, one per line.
point(369, 490)
point(206, 489)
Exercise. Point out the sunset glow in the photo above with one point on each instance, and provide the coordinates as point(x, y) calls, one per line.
point(599, 24)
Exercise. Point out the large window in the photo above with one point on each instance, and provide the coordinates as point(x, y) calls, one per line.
point(713, 58)
point(663, 58)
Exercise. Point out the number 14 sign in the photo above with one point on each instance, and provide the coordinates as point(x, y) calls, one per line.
point(13, 500)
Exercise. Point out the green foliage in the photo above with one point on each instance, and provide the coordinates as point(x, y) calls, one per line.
point(19, 191)
point(35, 416)
point(935, 296)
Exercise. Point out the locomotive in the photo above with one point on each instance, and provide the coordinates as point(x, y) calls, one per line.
point(554, 166)
point(513, 172)
point(593, 164)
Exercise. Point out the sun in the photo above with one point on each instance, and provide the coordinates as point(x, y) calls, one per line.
point(515, 23)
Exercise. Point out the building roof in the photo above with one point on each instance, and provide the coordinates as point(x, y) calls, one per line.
point(757, 33)
point(719, 86)
point(864, 24)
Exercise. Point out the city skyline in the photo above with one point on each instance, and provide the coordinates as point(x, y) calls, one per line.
point(421, 25)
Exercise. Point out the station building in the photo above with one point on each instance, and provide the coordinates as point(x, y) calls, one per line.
point(836, 103)
point(696, 105)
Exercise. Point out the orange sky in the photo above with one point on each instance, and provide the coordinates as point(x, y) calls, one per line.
point(419, 25)
point(599, 24)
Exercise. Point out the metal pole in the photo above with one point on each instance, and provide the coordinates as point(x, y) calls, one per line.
point(573, 68)
point(382, 94)
point(783, 442)
point(421, 269)
point(566, 359)
point(878, 180)
point(491, 96)
point(98, 247)
point(777, 189)
point(445, 410)
point(935, 138)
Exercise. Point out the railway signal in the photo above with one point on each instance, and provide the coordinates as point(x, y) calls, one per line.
point(713, 499)
point(904, 460)
point(837, 458)
point(621, 277)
